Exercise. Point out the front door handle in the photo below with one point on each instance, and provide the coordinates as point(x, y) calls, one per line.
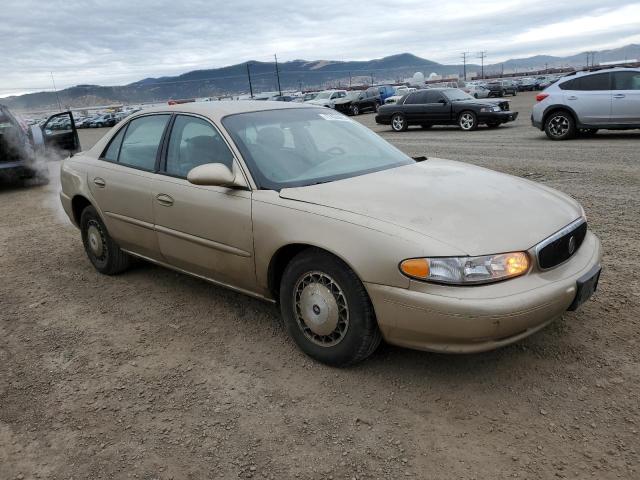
point(164, 200)
point(618, 95)
point(99, 182)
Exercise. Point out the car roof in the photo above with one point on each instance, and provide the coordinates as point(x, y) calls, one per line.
point(220, 109)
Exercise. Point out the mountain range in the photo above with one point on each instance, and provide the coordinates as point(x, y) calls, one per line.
point(296, 74)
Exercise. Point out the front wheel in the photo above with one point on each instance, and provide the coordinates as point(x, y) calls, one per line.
point(468, 121)
point(515, 92)
point(560, 126)
point(399, 123)
point(103, 252)
point(327, 310)
point(355, 110)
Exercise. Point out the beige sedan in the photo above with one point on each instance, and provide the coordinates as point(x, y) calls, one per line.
point(357, 242)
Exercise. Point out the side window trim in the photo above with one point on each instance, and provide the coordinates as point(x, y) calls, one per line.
point(122, 129)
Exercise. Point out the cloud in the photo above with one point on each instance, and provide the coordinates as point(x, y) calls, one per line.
point(117, 42)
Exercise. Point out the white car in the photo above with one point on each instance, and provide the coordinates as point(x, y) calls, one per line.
point(327, 98)
point(400, 92)
point(477, 91)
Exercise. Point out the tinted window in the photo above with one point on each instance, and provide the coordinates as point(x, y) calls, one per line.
point(111, 153)
point(626, 81)
point(432, 97)
point(194, 142)
point(416, 98)
point(141, 142)
point(599, 81)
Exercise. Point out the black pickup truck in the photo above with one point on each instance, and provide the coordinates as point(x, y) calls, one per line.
point(444, 106)
point(24, 151)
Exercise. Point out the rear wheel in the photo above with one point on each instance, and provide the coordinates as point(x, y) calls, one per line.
point(103, 252)
point(355, 110)
point(515, 92)
point(326, 309)
point(468, 121)
point(399, 123)
point(560, 126)
point(376, 106)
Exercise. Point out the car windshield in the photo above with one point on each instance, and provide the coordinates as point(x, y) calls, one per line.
point(323, 95)
point(455, 95)
point(305, 146)
point(354, 94)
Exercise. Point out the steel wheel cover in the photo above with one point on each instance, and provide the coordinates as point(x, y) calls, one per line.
point(321, 309)
point(96, 240)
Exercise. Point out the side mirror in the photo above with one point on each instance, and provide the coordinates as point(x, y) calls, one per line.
point(442, 101)
point(215, 175)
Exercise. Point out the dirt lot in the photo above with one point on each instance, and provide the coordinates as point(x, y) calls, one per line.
point(156, 375)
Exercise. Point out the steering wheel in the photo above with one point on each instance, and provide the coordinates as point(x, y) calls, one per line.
point(335, 151)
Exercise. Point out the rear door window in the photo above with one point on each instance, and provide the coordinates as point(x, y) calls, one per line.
point(416, 98)
point(112, 151)
point(597, 82)
point(142, 140)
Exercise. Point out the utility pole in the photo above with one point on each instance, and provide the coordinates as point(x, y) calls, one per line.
point(464, 65)
point(372, 79)
point(56, 90)
point(349, 79)
point(278, 75)
point(546, 68)
point(249, 75)
point(481, 56)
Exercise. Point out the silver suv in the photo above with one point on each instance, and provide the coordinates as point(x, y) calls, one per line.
point(586, 101)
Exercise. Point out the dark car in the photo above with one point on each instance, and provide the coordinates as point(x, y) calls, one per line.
point(105, 120)
point(501, 88)
point(444, 106)
point(22, 151)
point(358, 101)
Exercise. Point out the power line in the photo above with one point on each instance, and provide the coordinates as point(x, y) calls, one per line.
point(464, 65)
point(481, 56)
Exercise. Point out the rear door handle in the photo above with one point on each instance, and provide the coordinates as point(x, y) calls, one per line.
point(99, 182)
point(164, 200)
point(572, 97)
point(618, 95)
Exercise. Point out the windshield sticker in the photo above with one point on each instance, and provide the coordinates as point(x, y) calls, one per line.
point(336, 117)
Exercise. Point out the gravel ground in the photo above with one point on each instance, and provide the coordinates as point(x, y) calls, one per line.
point(156, 375)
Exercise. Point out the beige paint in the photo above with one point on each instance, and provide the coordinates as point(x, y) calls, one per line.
point(372, 222)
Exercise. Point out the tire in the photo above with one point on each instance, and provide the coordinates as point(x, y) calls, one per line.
point(503, 93)
point(399, 123)
point(376, 106)
point(468, 121)
point(103, 252)
point(560, 125)
point(315, 285)
point(355, 110)
point(426, 126)
point(475, 95)
point(515, 93)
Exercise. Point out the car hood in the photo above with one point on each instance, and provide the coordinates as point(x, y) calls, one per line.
point(340, 101)
point(323, 101)
point(477, 210)
point(484, 102)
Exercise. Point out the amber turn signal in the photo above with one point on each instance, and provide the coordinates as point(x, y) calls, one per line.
point(415, 267)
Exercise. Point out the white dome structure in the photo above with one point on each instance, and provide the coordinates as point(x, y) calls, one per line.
point(418, 77)
point(434, 76)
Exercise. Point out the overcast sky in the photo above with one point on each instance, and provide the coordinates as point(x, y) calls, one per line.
point(113, 42)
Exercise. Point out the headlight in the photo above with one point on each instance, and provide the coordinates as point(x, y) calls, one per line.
point(467, 270)
point(496, 109)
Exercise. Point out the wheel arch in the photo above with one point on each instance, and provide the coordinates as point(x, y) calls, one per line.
point(283, 256)
point(78, 204)
point(556, 108)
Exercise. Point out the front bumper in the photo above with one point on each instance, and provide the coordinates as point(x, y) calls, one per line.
point(497, 117)
point(383, 119)
point(474, 319)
